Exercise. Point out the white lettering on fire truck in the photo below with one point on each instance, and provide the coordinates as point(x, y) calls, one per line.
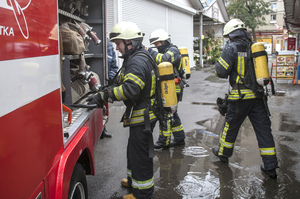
point(6, 31)
point(19, 16)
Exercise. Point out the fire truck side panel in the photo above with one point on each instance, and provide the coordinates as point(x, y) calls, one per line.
point(28, 29)
point(27, 80)
point(39, 192)
point(96, 126)
point(31, 142)
point(38, 147)
point(83, 142)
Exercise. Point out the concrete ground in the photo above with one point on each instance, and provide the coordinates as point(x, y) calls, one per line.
point(192, 171)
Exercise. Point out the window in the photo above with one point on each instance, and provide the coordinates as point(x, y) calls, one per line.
point(274, 7)
point(273, 19)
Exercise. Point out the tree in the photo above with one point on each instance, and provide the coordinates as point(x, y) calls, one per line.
point(251, 12)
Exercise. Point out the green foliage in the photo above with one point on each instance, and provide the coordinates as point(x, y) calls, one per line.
point(251, 12)
point(212, 48)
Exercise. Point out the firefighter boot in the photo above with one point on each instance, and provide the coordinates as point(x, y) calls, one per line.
point(129, 196)
point(222, 158)
point(106, 134)
point(124, 182)
point(271, 173)
point(179, 143)
point(159, 145)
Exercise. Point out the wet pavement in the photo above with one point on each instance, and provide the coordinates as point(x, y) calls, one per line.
point(192, 171)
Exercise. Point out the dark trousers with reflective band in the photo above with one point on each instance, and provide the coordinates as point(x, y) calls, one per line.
point(139, 165)
point(256, 111)
point(168, 128)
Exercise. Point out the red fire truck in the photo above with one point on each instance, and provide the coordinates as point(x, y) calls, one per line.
point(48, 130)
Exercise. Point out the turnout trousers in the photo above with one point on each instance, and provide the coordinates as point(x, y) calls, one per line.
point(257, 113)
point(168, 127)
point(139, 165)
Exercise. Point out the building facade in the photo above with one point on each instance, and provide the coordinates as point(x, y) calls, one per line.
point(274, 34)
point(175, 16)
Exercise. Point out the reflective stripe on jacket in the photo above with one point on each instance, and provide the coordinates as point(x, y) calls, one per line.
point(233, 63)
point(137, 80)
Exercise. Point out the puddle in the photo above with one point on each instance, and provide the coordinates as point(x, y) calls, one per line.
point(214, 78)
point(204, 103)
point(207, 133)
point(248, 187)
point(199, 185)
point(213, 125)
point(284, 122)
point(288, 124)
point(195, 151)
point(193, 172)
point(280, 93)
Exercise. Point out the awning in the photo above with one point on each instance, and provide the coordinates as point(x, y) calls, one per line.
point(292, 12)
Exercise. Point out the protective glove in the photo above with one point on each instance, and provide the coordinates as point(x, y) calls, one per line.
point(222, 106)
point(96, 99)
point(110, 82)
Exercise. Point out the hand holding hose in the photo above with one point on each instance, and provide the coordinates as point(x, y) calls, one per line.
point(96, 99)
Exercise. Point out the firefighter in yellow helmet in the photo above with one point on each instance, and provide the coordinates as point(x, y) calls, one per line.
point(136, 82)
point(167, 52)
point(243, 100)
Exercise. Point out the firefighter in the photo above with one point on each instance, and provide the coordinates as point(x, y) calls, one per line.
point(167, 52)
point(242, 101)
point(136, 81)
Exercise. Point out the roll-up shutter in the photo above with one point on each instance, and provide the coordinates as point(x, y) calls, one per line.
point(181, 30)
point(147, 15)
point(151, 15)
point(110, 17)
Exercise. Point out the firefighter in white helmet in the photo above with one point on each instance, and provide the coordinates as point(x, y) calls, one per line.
point(167, 52)
point(134, 84)
point(243, 101)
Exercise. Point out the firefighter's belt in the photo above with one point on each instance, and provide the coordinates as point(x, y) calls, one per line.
point(239, 86)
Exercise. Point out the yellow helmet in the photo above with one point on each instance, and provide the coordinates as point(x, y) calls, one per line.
point(125, 30)
point(158, 35)
point(232, 25)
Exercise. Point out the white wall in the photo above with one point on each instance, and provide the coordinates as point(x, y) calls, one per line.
point(150, 15)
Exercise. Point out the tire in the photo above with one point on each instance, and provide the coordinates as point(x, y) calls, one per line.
point(78, 184)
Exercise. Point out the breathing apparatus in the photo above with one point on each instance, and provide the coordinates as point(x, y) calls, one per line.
point(185, 62)
point(167, 85)
point(260, 61)
point(259, 55)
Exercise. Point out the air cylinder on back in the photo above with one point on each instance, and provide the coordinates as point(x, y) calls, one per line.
point(260, 61)
point(167, 84)
point(185, 61)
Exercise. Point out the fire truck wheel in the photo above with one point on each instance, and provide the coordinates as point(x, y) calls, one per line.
point(78, 184)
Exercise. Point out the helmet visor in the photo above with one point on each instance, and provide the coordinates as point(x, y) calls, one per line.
point(112, 35)
point(152, 40)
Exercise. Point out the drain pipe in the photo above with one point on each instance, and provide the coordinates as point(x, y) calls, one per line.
point(200, 38)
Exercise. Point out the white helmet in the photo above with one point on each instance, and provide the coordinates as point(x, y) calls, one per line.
point(232, 25)
point(159, 35)
point(125, 30)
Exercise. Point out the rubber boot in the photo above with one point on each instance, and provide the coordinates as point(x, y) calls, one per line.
point(222, 158)
point(129, 196)
point(124, 182)
point(271, 173)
